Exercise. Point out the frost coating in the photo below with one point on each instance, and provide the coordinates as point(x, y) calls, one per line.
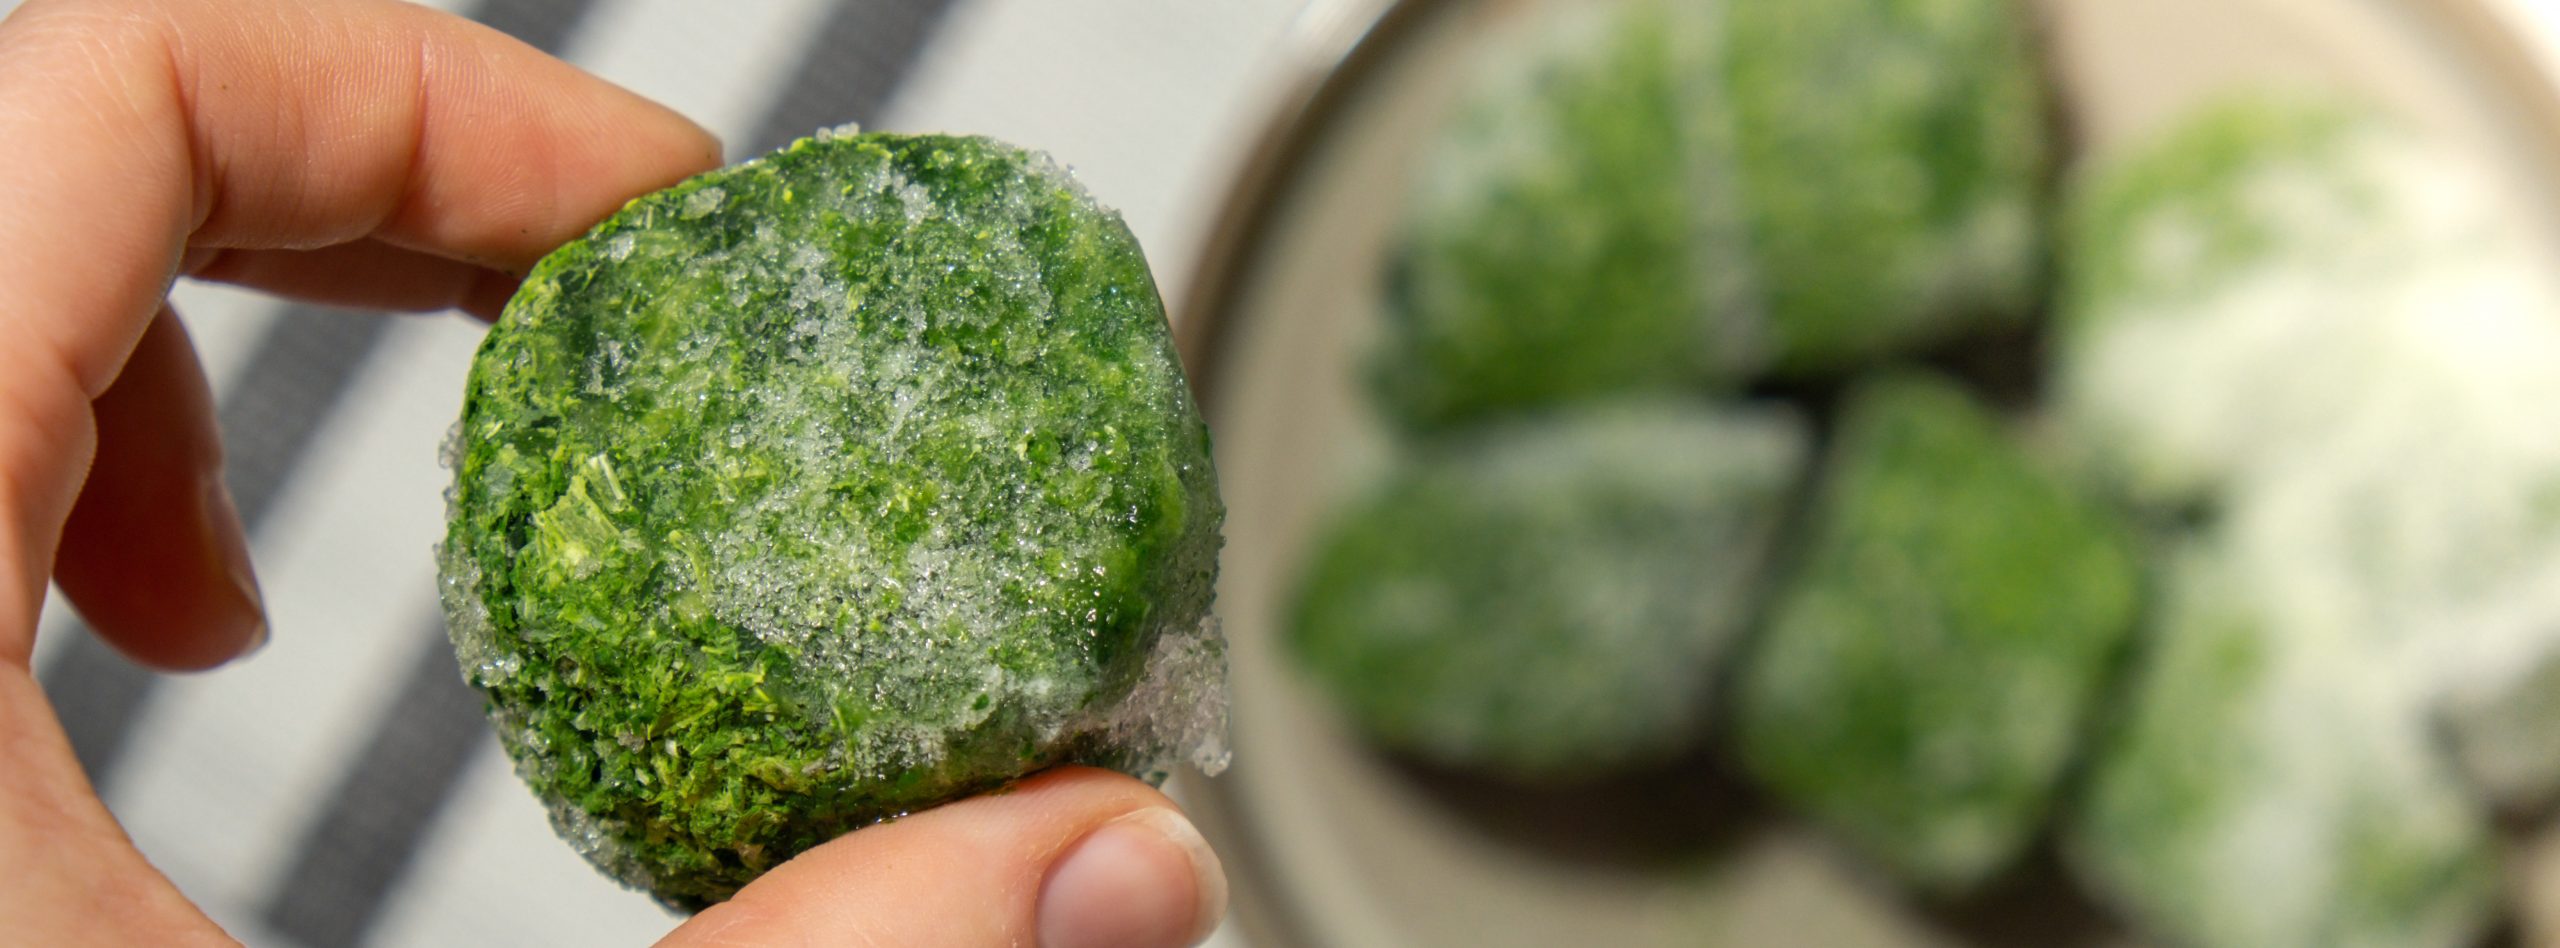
point(1180, 705)
point(825, 488)
point(2262, 238)
point(2304, 329)
point(2268, 788)
point(2303, 319)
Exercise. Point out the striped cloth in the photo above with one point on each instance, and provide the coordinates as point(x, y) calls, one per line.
point(340, 787)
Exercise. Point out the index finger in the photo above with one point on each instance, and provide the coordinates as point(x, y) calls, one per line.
point(131, 130)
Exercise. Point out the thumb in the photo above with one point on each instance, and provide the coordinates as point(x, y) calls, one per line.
point(1072, 858)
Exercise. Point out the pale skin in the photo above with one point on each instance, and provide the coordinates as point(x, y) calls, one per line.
point(377, 155)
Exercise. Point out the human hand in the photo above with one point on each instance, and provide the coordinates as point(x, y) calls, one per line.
point(380, 155)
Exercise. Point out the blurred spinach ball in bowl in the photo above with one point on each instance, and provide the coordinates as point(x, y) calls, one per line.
point(1932, 655)
point(1641, 196)
point(1553, 595)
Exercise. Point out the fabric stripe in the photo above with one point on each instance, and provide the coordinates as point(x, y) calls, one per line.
point(494, 873)
point(542, 24)
point(287, 390)
point(227, 773)
point(859, 56)
point(718, 64)
point(361, 845)
point(226, 324)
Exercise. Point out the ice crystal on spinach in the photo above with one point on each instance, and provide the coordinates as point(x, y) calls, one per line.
point(824, 488)
point(2299, 318)
point(2299, 327)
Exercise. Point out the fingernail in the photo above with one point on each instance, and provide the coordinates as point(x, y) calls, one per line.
point(231, 544)
point(1145, 880)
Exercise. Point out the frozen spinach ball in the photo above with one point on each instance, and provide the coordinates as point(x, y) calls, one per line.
point(1932, 662)
point(824, 488)
point(1552, 596)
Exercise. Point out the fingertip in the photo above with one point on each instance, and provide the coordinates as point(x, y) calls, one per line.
point(230, 538)
point(1072, 856)
point(154, 554)
point(1146, 878)
point(488, 297)
point(236, 617)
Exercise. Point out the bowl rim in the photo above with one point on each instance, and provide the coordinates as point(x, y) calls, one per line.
point(1334, 60)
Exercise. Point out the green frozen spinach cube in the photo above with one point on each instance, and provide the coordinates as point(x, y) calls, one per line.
point(1933, 657)
point(1680, 195)
point(1556, 246)
point(1894, 158)
point(824, 488)
point(1552, 597)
